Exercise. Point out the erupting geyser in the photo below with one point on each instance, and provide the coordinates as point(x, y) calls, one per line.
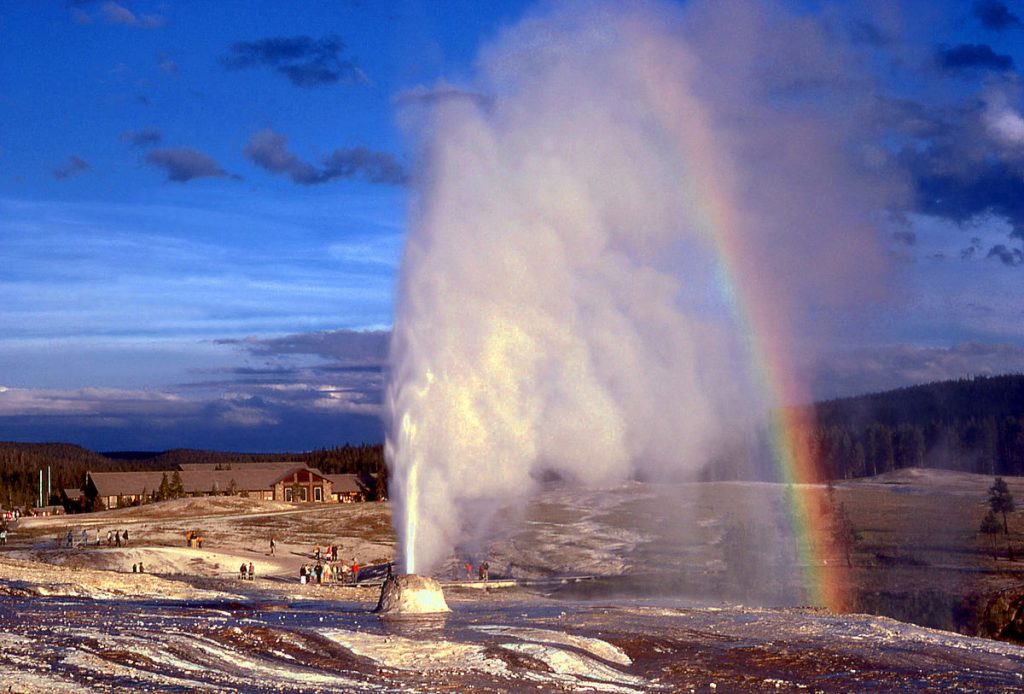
point(613, 232)
point(410, 594)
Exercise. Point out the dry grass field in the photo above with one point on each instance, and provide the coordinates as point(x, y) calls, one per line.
point(919, 556)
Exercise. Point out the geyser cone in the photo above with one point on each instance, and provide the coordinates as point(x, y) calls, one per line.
point(411, 594)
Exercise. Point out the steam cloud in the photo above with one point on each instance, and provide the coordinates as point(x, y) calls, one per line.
point(562, 308)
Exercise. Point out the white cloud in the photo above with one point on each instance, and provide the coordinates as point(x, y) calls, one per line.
point(1004, 123)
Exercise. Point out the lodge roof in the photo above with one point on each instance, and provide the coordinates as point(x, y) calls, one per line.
point(201, 481)
point(347, 483)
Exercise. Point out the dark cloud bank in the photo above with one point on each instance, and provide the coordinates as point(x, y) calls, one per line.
point(269, 150)
point(305, 61)
point(182, 164)
point(971, 56)
point(995, 15)
point(294, 392)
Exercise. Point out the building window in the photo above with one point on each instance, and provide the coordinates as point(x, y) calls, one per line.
point(288, 494)
point(305, 494)
point(318, 494)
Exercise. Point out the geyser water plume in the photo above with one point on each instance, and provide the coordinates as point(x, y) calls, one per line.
point(564, 307)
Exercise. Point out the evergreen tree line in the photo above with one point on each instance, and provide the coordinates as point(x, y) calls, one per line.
point(330, 461)
point(969, 425)
point(20, 464)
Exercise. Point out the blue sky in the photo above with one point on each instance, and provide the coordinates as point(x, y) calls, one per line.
point(202, 207)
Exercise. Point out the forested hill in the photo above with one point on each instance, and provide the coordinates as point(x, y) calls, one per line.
point(945, 401)
point(973, 425)
point(20, 464)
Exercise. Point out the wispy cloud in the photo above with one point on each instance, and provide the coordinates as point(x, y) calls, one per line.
point(142, 138)
point(115, 13)
point(167, 65)
point(76, 271)
point(72, 167)
point(269, 151)
point(305, 61)
point(441, 92)
point(111, 12)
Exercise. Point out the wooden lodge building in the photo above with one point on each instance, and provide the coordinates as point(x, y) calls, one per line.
point(283, 481)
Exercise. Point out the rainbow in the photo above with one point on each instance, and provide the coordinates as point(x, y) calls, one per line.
point(708, 190)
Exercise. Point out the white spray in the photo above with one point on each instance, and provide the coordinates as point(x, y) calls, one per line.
point(560, 309)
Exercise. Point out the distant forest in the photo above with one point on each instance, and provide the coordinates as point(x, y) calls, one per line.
point(20, 464)
point(971, 425)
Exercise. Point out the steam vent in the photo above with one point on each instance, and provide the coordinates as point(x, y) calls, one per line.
point(411, 594)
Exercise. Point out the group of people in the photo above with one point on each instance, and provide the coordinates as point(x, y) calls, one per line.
point(138, 568)
point(329, 572)
point(115, 538)
point(483, 571)
point(246, 572)
point(329, 553)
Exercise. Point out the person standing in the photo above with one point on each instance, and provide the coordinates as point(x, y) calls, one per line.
point(272, 545)
point(252, 572)
point(469, 571)
point(124, 536)
point(355, 571)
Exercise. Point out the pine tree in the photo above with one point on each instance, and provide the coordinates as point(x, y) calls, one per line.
point(177, 487)
point(1000, 500)
point(380, 491)
point(990, 526)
